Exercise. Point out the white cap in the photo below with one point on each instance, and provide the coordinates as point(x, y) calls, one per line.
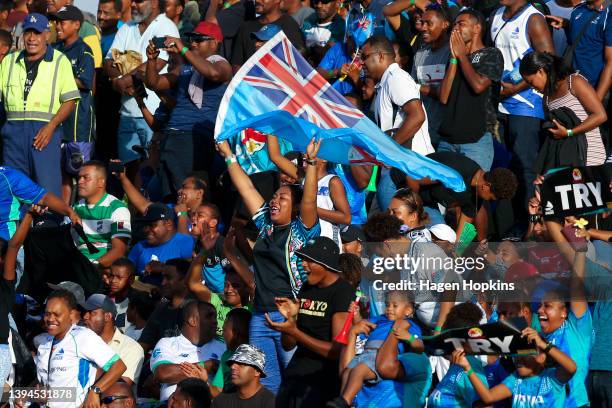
point(443, 232)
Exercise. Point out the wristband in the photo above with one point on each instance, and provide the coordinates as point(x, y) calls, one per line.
point(533, 218)
point(311, 162)
point(229, 160)
point(183, 214)
point(411, 339)
point(331, 73)
point(548, 347)
point(438, 329)
point(570, 133)
point(453, 61)
point(470, 371)
point(184, 51)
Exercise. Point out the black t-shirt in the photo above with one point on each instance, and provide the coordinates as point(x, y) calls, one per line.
point(271, 275)
point(262, 399)
point(164, 322)
point(244, 46)
point(31, 74)
point(7, 298)
point(465, 118)
point(437, 193)
point(230, 20)
point(318, 305)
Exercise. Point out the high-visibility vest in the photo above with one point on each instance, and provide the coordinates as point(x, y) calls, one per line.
point(54, 85)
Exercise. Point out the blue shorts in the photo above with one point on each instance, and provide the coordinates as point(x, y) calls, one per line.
point(132, 132)
point(368, 357)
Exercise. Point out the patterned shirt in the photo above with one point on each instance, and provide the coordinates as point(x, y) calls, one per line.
point(107, 219)
point(15, 189)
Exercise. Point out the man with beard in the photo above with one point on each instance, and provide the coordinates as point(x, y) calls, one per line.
point(100, 314)
point(147, 22)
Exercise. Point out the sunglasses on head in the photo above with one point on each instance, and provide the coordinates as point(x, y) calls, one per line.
point(111, 398)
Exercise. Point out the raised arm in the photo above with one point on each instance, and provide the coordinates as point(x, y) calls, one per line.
point(308, 206)
point(251, 197)
point(134, 196)
point(284, 165)
point(153, 79)
point(219, 71)
point(194, 280)
point(342, 210)
point(488, 396)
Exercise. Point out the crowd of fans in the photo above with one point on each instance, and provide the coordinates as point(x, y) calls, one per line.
point(145, 264)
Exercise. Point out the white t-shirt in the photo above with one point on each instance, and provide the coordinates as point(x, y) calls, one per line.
point(128, 38)
point(559, 38)
point(396, 87)
point(72, 362)
point(176, 350)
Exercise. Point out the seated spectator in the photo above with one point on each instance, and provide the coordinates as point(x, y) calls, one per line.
point(165, 320)
point(140, 308)
point(312, 324)
point(175, 358)
point(106, 219)
point(247, 367)
point(100, 314)
point(70, 355)
point(162, 243)
point(235, 333)
point(121, 393)
point(190, 392)
point(121, 278)
point(357, 370)
point(531, 381)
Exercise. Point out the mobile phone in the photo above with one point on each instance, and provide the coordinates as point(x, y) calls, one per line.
point(115, 167)
point(159, 42)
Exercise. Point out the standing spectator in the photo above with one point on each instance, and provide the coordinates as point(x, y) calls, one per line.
point(562, 9)
point(325, 27)
point(285, 224)
point(247, 366)
point(39, 92)
point(69, 355)
point(397, 107)
point(5, 9)
point(229, 15)
point(297, 10)
point(199, 84)
point(162, 243)
point(88, 31)
point(121, 278)
point(312, 322)
point(521, 106)
point(593, 53)
point(269, 12)
point(106, 219)
point(100, 314)
point(430, 64)
point(335, 64)
point(17, 189)
point(332, 205)
point(165, 320)
point(78, 128)
point(118, 395)
point(147, 22)
point(176, 358)
point(106, 99)
point(174, 10)
point(563, 88)
point(466, 91)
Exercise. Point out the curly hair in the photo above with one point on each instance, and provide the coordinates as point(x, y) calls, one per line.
point(381, 227)
point(352, 268)
point(503, 183)
point(463, 315)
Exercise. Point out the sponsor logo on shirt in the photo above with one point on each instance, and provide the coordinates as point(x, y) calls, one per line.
point(313, 307)
point(156, 353)
point(515, 34)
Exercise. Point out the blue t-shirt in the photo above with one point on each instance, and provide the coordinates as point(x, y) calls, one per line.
point(496, 374)
point(106, 40)
point(598, 283)
point(16, 189)
point(589, 54)
point(408, 393)
point(540, 391)
point(383, 326)
point(334, 58)
point(186, 115)
point(356, 197)
point(79, 125)
point(213, 272)
point(179, 246)
point(455, 390)
point(574, 338)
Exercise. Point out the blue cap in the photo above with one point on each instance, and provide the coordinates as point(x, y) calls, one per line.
point(36, 22)
point(266, 32)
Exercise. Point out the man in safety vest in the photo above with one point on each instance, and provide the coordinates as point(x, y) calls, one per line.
point(38, 90)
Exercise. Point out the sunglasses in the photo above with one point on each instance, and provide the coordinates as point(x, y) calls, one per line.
point(323, 1)
point(111, 398)
point(199, 38)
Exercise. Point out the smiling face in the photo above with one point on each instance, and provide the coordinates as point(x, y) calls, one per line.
point(401, 211)
point(67, 29)
point(315, 272)
point(433, 26)
point(552, 313)
point(233, 289)
point(58, 317)
point(397, 308)
point(158, 232)
point(35, 42)
point(282, 206)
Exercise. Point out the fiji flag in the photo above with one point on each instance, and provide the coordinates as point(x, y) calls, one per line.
point(277, 92)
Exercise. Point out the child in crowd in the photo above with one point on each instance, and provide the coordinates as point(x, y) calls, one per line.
point(532, 384)
point(359, 369)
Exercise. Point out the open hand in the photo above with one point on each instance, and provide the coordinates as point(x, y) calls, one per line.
point(43, 137)
point(313, 149)
point(194, 370)
point(533, 337)
point(287, 327)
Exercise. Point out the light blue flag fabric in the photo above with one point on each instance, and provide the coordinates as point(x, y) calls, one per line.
point(277, 92)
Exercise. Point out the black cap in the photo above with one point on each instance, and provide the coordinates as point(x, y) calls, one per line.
point(352, 233)
point(157, 212)
point(100, 301)
point(69, 12)
point(323, 251)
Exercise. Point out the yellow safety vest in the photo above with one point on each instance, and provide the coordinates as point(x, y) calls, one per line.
point(54, 85)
